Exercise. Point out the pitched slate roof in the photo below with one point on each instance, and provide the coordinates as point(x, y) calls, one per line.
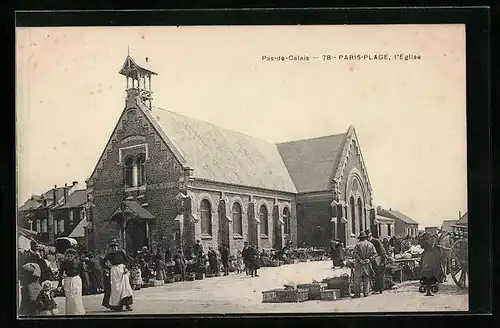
point(36, 201)
point(464, 220)
point(396, 215)
point(75, 199)
point(222, 155)
point(311, 163)
point(447, 224)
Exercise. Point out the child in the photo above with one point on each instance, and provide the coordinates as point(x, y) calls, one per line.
point(240, 265)
point(45, 303)
point(136, 281)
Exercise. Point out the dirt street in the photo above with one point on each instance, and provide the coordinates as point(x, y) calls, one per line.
point(243, 294)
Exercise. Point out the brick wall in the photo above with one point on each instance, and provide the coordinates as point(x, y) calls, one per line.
point(222, 200)
point(162, 174)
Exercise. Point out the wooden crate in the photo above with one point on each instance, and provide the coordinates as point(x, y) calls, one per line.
point(281, 295)
point(340, 283)
point(330, 294)
point(314, 289)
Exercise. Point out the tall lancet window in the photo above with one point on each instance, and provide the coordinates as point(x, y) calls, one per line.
point(129, 172)
point(353, 215)
point(141, 170)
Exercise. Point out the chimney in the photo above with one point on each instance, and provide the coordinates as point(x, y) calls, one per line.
point(459, 215)
point(65, 193)
point(379, 208)
point(75, 184)
point(54, 194)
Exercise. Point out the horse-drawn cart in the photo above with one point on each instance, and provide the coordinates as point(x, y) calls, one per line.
point(455, 250)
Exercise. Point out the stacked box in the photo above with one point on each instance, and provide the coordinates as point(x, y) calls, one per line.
point(282, 295)
point(314, 290)
point(330, 294)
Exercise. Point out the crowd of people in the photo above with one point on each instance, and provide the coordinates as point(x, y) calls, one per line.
point(44, 274)
point(79, 272)
point(371, 255)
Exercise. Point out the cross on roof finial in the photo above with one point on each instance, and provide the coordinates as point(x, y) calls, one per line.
point(128, 50)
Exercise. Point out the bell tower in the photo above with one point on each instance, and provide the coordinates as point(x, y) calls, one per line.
point(138, 80)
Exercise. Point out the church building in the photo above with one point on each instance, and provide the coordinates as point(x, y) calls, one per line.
point(167, 180)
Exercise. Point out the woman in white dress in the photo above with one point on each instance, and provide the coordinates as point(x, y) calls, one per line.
point(69, 279)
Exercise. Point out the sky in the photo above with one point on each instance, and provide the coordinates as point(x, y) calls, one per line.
point(409, 115)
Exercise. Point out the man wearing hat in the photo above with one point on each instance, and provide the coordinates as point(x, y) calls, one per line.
point(364, 253)
point(378, 263)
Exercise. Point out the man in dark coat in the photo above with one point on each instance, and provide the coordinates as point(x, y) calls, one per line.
point(379, 263)
point(254, 261)
point(246, 253)
point(212, 260)
point(364, 253)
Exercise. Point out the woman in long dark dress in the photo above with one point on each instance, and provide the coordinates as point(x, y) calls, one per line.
point(120, 289)
point(95, 273)
point(106, 283)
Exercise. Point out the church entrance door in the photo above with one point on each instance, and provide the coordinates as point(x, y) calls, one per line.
point(136, 236)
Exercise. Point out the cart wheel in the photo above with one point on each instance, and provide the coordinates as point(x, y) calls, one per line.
point(421, 289)
point(434, 288)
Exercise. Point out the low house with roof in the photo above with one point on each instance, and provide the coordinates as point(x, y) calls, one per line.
point(70, 217)
point(447, 225)
point(384, 227)
point(462, 224)
point(404, 225)
point(167, 180)
point(36, 214)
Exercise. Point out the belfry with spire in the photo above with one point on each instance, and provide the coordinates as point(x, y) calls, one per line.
point(138, 79)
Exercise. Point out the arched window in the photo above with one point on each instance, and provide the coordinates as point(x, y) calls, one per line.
point(353, 215)
point(206, 217)
point(61, 226)
point(141, 170)
point(286, 220)
point(360, 214)
point(44, 225)
point(237, 220)
point(129, 172)
point(264, 225)
point(38, 226)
